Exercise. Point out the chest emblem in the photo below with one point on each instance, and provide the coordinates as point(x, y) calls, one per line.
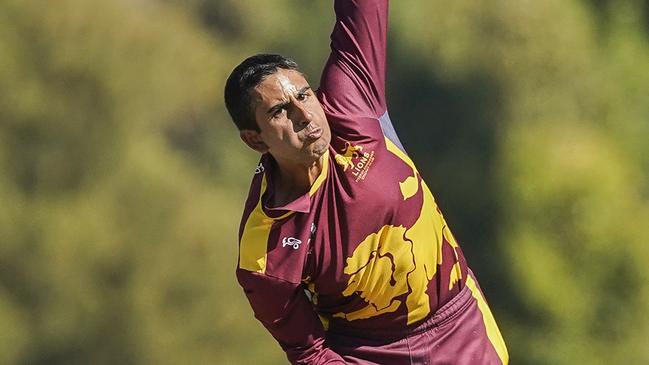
point(349, 152)
point(354, 159)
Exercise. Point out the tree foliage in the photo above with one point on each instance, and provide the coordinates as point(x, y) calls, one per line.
point(123, 179)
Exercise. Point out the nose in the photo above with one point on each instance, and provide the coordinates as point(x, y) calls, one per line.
point(301, 115)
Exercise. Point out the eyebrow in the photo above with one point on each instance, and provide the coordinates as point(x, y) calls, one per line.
point(282, 105)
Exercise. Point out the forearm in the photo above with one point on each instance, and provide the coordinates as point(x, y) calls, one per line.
point(283, 308)
point(317, 354)
point(357, 62)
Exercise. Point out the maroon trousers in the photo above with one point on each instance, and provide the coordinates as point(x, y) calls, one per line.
point(462, 332)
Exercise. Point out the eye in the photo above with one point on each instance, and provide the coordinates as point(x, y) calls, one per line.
point(302, 96)
point(278, 113)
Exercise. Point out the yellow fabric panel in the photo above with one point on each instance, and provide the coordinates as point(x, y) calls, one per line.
point(252, 251)
point(455, 275)
point(323, 174)
point(395, 150)
point(381, 255)
point(427, 256)
point(493, 333)
point(409, 187)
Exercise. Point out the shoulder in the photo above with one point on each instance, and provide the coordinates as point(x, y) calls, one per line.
point(254, 193)
point(274, 246)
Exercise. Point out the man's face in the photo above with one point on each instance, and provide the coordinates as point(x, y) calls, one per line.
point(293, 126)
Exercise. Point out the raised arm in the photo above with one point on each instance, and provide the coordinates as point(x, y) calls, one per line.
point(353, 80)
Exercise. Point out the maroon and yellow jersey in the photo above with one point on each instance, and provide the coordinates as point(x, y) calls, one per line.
point(367, 248)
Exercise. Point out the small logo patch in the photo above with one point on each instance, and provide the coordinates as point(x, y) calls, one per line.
point(291, 242)
point(349, 152)
point(353, 158)
point(259, 169)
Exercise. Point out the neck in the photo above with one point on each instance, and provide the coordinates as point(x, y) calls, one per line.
point(293, 180)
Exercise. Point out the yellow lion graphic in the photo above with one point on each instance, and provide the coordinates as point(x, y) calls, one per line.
point(349, 152)
point(397, 260)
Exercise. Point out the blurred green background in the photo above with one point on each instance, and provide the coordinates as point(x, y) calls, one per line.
point(122, 178)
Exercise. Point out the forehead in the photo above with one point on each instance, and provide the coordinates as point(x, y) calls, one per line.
point(278, 86)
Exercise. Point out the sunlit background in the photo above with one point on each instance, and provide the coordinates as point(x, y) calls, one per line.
point(122, 178)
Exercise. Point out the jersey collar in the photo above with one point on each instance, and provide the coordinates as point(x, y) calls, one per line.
point(303, 203)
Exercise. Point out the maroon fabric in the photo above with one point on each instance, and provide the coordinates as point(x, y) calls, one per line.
point(455, 335)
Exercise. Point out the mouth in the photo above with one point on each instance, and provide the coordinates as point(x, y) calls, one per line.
point(313, 134)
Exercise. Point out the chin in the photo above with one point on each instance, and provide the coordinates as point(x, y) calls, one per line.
point(320, 147)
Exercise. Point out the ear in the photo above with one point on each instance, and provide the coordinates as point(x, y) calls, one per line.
point(253, 139)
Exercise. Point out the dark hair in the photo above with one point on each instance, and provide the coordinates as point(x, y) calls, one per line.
point(252, 71)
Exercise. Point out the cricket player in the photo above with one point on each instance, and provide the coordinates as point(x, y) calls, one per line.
point(344, 255)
